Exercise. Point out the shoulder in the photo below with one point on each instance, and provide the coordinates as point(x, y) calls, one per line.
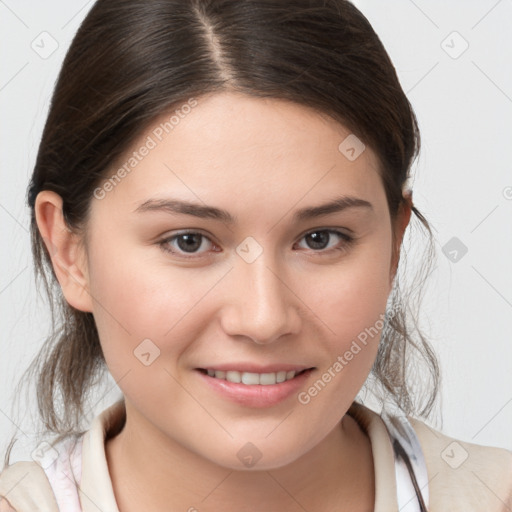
point(465, 476)
point(24, 486)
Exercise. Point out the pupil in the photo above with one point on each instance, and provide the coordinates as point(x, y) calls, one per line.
point(321, 239)
point(189, 244)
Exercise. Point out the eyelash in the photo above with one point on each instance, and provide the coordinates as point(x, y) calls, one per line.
point(348, 240)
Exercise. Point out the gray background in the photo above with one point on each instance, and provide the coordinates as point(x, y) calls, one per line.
point(462, 184)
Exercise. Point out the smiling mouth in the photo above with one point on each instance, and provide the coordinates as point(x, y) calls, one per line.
point(251, 379)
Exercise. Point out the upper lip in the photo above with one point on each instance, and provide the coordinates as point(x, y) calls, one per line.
point(254, 368)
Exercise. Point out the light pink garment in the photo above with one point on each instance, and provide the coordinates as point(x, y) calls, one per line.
point(65, 474)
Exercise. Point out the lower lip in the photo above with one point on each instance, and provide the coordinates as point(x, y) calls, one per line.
point(256, 395)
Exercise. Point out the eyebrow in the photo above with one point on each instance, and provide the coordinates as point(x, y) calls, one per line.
point(175, 206)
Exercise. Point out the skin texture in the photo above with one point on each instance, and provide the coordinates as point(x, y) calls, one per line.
point(298, 302)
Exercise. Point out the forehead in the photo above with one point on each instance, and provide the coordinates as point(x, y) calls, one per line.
point(232, 148)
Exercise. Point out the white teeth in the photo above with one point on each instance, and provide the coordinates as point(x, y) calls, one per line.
point(233, 376)
point(247, 378)
point(252, 378)
point(280, 376)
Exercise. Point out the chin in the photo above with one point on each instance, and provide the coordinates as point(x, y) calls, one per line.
point(252, 456)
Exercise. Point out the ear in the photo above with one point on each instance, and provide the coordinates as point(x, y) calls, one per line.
point(67, 254)
point(401, 222)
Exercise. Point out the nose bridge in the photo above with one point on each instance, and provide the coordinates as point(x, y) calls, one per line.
point(266, 285)
point(263, 307)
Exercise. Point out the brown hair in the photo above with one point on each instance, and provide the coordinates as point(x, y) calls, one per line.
point(132, 60)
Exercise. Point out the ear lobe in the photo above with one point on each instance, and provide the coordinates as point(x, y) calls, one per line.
point(63, 245)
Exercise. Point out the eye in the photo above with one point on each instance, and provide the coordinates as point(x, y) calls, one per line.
point(319, 239)
point(191, 241)
point(188, 242)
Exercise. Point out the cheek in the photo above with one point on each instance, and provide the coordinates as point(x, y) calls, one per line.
point(351, 305)
point(138, 298)
point(353, 293)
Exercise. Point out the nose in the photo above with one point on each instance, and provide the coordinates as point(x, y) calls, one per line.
point(260, 304)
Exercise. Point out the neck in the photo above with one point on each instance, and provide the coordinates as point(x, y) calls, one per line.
point(337, 474)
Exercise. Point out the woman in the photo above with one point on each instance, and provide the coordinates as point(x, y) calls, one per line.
point(220, 195)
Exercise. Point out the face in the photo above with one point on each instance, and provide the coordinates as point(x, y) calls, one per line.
point(175, 292)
